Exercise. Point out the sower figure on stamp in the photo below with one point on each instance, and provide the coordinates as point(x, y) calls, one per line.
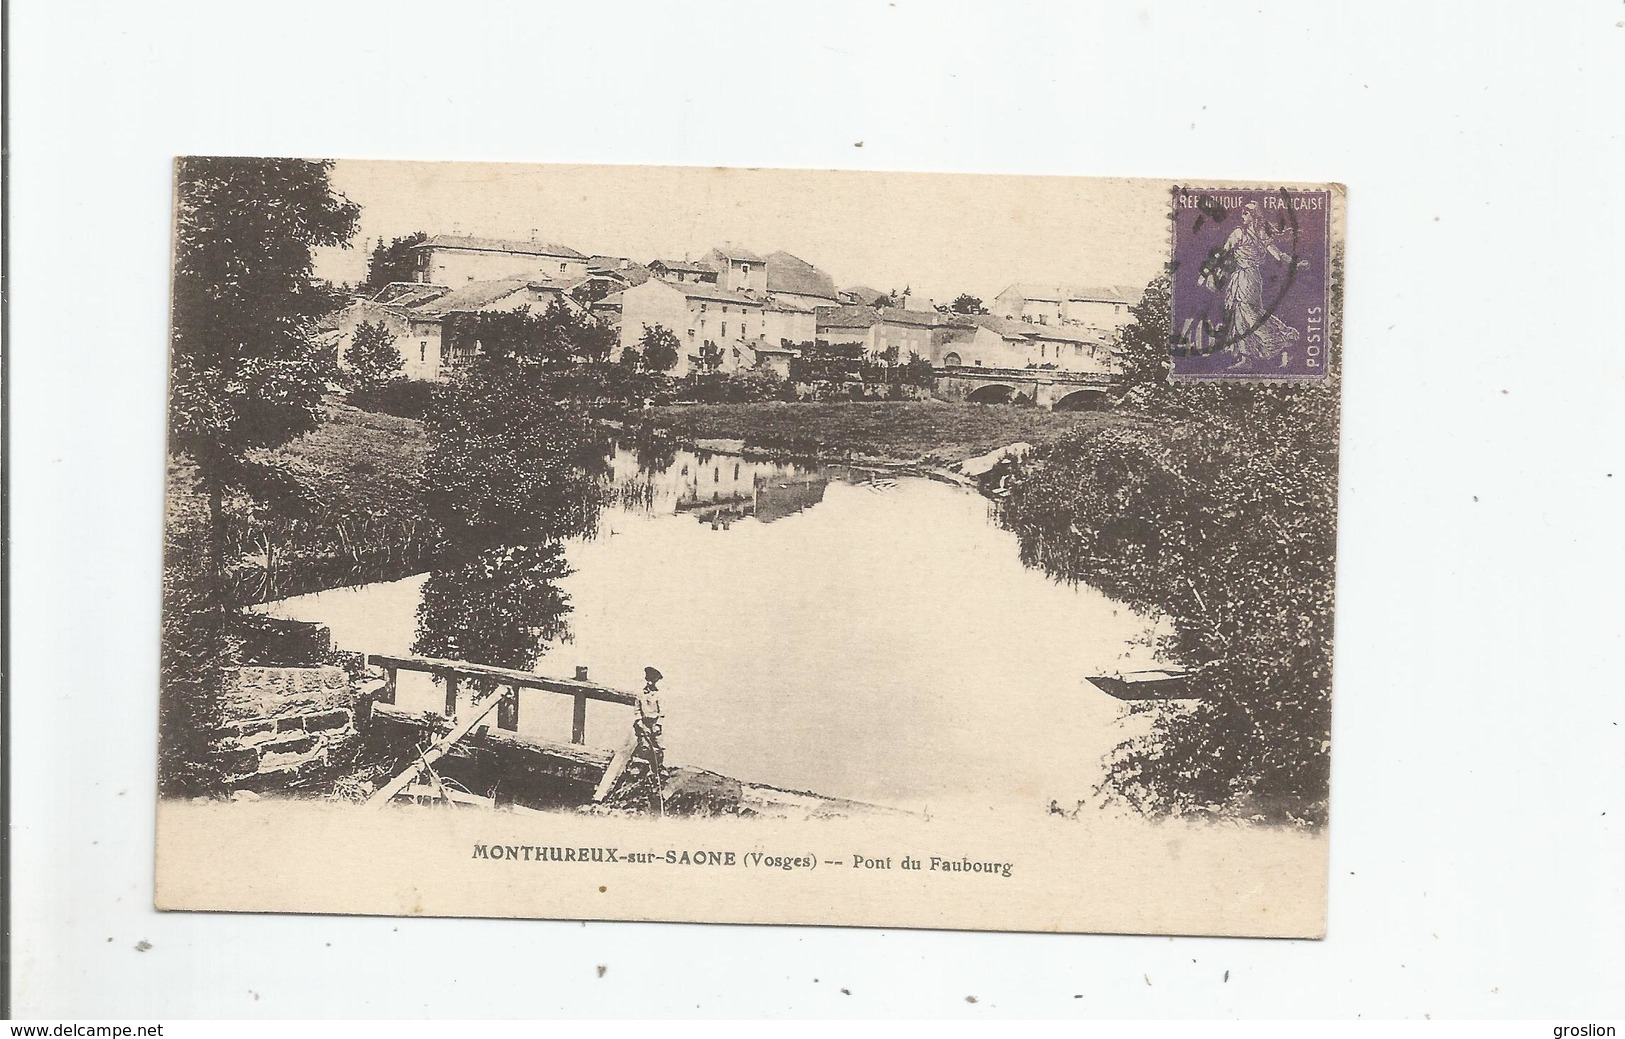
point(643, 742)
point(1254, 333)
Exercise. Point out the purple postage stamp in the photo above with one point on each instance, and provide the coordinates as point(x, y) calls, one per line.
point(1249, 284)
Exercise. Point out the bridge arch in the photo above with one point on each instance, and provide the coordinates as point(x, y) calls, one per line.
point(1081, 400)
point(991, 393)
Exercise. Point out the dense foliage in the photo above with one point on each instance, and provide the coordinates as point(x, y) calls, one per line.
point(659, 348)
point(1221, 516)
point(559, 335)
point(507, 464)
point(497, 606)
point(393, 262)
point(371, 359)
point(244, 372)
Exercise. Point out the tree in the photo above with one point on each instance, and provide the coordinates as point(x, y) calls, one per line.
point(965, 303)
point(244, 372)
point(508, 463)
point(371, 356)
point(393, 262)
point(1143, 345)
point(557, 336)
point(660, 347)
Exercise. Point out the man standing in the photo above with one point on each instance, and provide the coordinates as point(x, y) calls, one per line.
point(645, 737)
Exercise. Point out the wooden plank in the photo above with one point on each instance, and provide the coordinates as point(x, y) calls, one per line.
point(509, 750)
point(617, 767)
point(506, 676)
point(430, 756)
point(387, 694)
point(578, 720)
point(451, 696)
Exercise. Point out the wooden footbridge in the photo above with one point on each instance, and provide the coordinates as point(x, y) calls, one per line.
point(475, 740)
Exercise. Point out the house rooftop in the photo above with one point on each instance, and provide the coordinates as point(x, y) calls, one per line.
point(1013, 329)
point(702, 290)
point(500, 245)
point(846, 317)
point(787, 272)
point(1093, 294)
point(406, 293)
point(864, 294)
point(479, 294)
point(919, 318)
point(737, 252)
point(684, 266)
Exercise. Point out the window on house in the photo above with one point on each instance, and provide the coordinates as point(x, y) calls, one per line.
point(691, 333)
point(702, 308)
point(725, 330)
point(423, 351)
point(744, 268)
point(563, 267)
point(1042, 320)
point(736, 470)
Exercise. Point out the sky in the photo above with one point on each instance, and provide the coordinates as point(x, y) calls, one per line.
point(938, 234)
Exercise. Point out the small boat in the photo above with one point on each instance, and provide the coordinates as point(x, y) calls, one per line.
point(1160, 684)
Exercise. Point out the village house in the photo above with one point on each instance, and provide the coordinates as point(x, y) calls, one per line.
point(846, 325)
point(419, 317)
point(1103, 309)
point(624, 269)
point(455, 259)
point(790, 324)
point(794, 281)
point(686, 271)
point(915, 332)
point(738, 268)
point(879, 330)
point(862, 295)
point(717, 327)
point(1006, 343)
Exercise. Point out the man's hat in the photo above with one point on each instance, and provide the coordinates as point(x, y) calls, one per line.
point(652, 675)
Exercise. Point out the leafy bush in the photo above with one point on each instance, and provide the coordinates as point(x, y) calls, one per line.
point(406, 398)
point(1223, 519)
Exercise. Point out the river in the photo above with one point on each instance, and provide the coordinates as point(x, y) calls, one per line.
point(818, 630)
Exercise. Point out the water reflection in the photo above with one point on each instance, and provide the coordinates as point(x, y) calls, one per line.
point(856, 636)
point(715, 489)
point(500, 607)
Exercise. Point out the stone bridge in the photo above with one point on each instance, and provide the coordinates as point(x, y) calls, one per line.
point(1050, 388)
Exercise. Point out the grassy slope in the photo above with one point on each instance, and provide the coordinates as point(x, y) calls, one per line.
point(904, 431)
point(363, 462)
point(358, 463)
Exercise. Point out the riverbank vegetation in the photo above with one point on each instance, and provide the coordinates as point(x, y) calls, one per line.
point(1221, 515)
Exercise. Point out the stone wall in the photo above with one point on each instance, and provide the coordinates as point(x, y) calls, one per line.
point(282, 724)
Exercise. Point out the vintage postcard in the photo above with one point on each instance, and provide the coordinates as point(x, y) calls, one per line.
point(741, 545)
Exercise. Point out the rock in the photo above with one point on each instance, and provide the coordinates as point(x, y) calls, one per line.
point(336, 719)
point(252, 694)
point(244, 795)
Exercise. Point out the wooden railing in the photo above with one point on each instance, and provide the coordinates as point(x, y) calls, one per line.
point(455, 672)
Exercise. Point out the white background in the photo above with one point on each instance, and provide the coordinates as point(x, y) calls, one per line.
point(1477, 848)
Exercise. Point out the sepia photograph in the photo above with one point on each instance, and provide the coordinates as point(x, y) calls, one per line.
point(718, 527)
